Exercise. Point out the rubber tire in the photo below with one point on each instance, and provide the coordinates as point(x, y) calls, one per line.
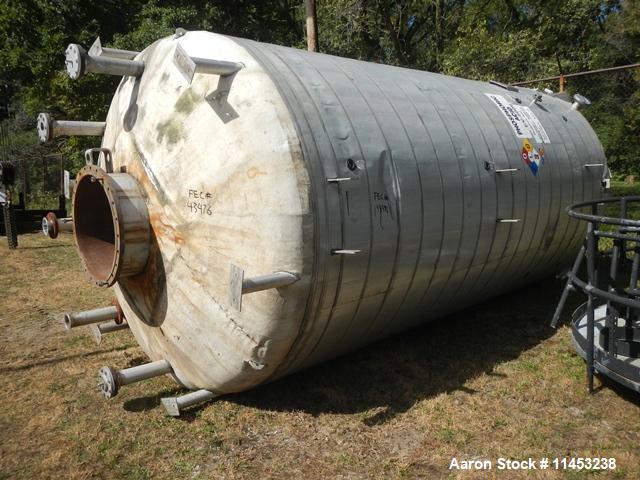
point(10, 226)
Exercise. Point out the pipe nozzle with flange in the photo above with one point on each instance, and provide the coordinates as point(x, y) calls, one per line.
point(109, 212)
point(98, 315)
point(79, 62)
point(49, 128)
point(110, 380)
point(52, 225)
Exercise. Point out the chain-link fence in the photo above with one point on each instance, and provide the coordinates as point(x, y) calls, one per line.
point(614, 112)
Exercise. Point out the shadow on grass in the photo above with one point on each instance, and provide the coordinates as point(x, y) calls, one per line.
point(621, 391)
point(149, 402)
point(51, 361)
point(392, 375)
point(42, 247)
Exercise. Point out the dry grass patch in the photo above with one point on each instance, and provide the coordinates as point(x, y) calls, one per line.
point(489, 382)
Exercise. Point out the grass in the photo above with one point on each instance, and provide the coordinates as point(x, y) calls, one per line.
point(490, 382)
point(619, 189)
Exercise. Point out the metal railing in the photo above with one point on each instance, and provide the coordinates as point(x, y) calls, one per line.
point(619, 346)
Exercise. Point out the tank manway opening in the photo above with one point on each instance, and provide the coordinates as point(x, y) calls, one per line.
point(111, 225)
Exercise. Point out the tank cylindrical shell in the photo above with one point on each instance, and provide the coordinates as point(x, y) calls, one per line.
point(394, 195)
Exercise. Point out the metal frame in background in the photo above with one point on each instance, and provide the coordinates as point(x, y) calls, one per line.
point(562, 77)
point(617, 352)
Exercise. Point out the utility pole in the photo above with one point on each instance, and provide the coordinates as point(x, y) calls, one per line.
point(312, 25)
point(439, 32)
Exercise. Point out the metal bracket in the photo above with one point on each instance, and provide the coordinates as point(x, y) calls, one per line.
point(537, 98)
point(188, 66)
point(97, 330)
point(97, 50)
point(338, 179)
point(492, 166)
point(106, 153)
point(239, 286)
point(173, 405)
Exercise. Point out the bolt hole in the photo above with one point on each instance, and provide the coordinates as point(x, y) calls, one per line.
point(351, 165)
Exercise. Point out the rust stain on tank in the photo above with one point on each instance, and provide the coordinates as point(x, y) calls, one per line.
point(147, 291)
point(253, 172)
point(165, 230)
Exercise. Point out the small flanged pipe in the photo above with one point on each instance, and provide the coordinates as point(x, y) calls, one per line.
point(110, 380)
point(52, 225)
point(49, 128)
point(79, 63)
point(580, 101)
point(98, 315)
point(99, 329)
point(174, 405)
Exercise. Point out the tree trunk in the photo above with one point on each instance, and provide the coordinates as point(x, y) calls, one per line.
point(439, 33)
point(312, 25)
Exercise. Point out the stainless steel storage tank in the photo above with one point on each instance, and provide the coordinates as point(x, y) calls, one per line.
point(389, 197)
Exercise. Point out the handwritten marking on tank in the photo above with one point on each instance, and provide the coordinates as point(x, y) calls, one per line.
point(382, 207)
point(200, 207)
point(522, 120)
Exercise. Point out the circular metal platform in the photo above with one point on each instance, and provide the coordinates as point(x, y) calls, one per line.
point(620, 368)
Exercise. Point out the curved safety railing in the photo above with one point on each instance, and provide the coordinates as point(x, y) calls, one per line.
point(606, 329)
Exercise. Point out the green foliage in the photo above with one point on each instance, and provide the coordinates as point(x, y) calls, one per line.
point(507, 40)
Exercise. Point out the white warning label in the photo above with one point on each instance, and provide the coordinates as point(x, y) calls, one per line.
point(523, 121)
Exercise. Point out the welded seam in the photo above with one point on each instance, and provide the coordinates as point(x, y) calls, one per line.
point(495, 183)
point(368, 106)
point(357, 141)
point(415, 268)
point(442, 194)
point(290, 98)
point(455, 152)
point(554, 252)
point(567, 137)
point(464, 205)
point(480, 184)
point(508, 234)
point(508, 260)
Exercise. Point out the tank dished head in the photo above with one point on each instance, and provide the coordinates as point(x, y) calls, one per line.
point(111, 225)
